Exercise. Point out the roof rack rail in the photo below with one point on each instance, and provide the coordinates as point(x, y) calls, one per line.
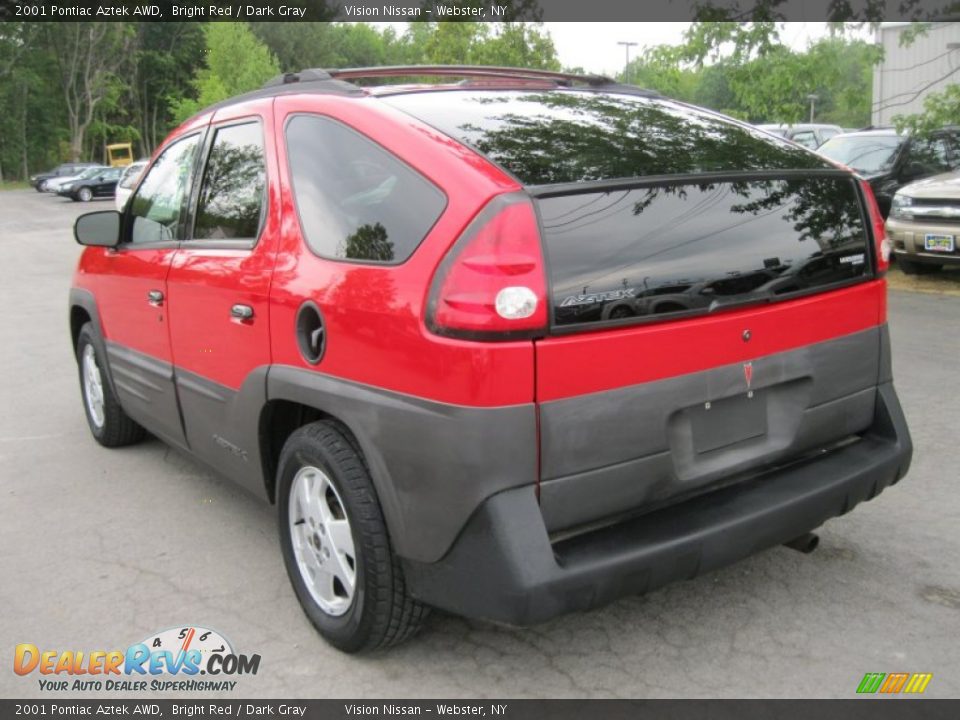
point(310, 75)
point(480, 71)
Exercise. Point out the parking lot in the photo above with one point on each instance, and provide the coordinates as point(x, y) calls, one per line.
point(99, 549)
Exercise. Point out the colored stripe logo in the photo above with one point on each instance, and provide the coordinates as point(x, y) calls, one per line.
point(894, 683)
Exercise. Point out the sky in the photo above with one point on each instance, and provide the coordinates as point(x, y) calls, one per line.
point(593, 45)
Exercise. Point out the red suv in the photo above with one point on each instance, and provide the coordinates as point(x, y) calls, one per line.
point(387, 310)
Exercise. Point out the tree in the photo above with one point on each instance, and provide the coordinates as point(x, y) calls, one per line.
point(763, 80)
point(236, 62)
point(166, 58)
point(88, 58)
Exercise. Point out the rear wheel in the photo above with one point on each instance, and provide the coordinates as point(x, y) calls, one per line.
point(85, 195)
point(109, 424)
point(335, 544)
point(911, 267)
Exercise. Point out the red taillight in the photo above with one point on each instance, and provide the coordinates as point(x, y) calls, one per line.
point(492, 283)
point(882, 244)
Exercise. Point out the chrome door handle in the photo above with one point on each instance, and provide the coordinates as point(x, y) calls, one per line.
point(155, 298)
point(241, 312)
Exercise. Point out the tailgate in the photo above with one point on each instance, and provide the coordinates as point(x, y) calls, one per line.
point(701, 332)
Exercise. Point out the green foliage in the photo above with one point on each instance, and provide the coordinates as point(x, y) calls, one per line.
point(939, 109)
point(744, 70)
point(236, 62)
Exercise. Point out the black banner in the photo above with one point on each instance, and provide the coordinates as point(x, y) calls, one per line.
point(506, 709)
point(482, 10)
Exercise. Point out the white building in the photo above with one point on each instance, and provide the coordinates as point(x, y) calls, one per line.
point(909, 73)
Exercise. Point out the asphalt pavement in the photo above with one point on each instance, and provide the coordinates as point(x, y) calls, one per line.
point(100, 549)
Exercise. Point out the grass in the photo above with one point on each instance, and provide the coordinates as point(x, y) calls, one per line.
point(14, 185)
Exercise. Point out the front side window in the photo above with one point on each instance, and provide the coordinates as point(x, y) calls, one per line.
point(930, 154)
point(233, 190)
point(155, 209)
point(356, 200)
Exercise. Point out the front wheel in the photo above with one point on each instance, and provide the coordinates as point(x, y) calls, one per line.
point(85, 195)
point(109, 424)
point(335, 544)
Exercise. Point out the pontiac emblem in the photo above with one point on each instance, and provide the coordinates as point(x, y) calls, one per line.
point(748, 373)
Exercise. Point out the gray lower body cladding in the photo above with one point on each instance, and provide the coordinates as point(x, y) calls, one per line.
point(650, 444)
point(505, 568)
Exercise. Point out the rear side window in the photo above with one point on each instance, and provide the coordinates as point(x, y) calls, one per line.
point(356, 201)
point(693, 248)
point(232, 194)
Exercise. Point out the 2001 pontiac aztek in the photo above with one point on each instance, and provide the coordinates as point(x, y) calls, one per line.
point(510, 346)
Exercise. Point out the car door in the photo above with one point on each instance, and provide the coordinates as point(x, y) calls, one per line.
point(132, 288)
point(219, 287)
point(107, 183)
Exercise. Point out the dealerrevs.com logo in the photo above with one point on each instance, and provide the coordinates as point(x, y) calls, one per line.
point(171, 660)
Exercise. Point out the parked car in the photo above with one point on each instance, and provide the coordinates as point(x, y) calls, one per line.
point(811, 135)
point(889, 160)
point(358, 323)
point(65, 170)
point(97, 183)
point(131, 173)
point(924, 223)
point(53, 185)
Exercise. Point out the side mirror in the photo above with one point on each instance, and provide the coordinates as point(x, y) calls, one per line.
point(98, 229)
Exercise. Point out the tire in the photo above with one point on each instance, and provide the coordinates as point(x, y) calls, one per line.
point(84, 195)
point(109, 424)
point(323, 482)
point(911, 267)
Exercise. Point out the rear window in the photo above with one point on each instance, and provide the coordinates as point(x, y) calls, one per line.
point(694, 248)
point(355, 199)
point(565, 136)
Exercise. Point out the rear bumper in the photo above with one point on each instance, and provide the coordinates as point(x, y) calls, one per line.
point(504, 568)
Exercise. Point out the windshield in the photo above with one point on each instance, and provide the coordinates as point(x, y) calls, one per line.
point(864, 153)
point(89, 173)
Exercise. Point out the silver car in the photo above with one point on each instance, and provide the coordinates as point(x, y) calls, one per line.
point(924, 224)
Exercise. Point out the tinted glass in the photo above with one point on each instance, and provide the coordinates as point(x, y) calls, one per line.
point(807, 138)
point(356, 200)
point(652, 251)
point(572, 136)
point(864, 153)
point(233, 190)
point(155, 209)
point(930, 154)
point(131, 174)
